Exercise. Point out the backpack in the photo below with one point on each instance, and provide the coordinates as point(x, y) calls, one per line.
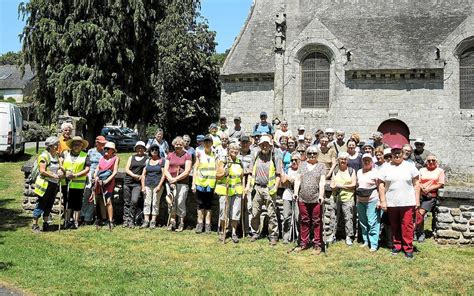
point(35, 172)
point(336, 169)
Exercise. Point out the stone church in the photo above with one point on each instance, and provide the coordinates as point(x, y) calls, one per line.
point(402, 67)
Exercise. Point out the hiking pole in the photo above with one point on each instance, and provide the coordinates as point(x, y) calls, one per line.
point(242, 212)
point(60, 206)
point(67, 204)
point(323, 237)
point(293, 227)
point(96, 214)
point(105, 205)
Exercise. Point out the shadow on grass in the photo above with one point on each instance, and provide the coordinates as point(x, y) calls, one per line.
point(5, 265)
point(17, 158)
point(11, 218)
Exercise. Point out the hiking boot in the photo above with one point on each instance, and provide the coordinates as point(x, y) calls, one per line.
point(254, 237)
point(395, 252)
point(75, 225)
point(409, 255)
point(222, 237)
point(316, 251)
point(131, 224)
point(144, 224)
point(207, 229)
point(181, 226)
point(273, 241)
point(199, 228)
point(300, 249)
point(35, 228)
point(125, 224)
point(235, 238)
point(152, 225)
point(45, 226)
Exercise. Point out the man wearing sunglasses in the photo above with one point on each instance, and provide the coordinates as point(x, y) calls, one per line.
point(420, 154)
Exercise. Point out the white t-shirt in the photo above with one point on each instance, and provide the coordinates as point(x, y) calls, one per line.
point(399, 190)
point(368, 181)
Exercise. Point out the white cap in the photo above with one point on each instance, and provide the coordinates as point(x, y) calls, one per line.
point(329, 130)
point(301, 128)
point(387, 151)
point(110, 145)
point(419, 140)
point(367, 155)
point(264, 139)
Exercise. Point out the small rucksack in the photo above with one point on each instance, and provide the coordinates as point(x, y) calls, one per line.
point(35, 171)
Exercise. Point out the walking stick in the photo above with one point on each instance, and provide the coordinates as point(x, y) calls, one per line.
point(105, 205)
point(170, 205)
point(60, 206)
point(242, 212)
point(323, 237)
point(67, 205)
point(96, 214)
point(293, 230)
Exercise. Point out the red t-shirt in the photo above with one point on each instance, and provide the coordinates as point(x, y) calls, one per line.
point(177, 165)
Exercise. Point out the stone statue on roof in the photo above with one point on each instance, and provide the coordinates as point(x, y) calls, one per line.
point(280, 32)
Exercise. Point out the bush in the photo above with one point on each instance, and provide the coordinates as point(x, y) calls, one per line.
point(36, 132)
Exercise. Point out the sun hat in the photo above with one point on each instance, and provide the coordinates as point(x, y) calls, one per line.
point(100, 139)
point(84, 143)
point(369, 143)
point(110, 145)
point(207, 138)
point(138, 144)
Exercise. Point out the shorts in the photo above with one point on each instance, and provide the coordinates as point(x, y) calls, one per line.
point(73, 199)
point(428, 203)
point(204, 199)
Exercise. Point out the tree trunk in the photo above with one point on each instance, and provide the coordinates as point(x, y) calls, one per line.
point(94, 127)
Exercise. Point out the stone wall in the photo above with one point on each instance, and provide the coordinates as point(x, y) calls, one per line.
point(455, 217)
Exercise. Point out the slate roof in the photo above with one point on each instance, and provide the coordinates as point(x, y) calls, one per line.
point(10, 77)
point(381, 34)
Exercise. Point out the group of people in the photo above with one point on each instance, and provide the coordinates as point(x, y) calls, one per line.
point(363, 185)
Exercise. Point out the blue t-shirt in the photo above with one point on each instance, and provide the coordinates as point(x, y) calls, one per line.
point(94, 157)
point(266, 128)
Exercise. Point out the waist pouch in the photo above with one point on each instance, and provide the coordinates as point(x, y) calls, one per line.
point(364, 192)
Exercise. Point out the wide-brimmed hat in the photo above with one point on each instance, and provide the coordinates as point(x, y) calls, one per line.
point(138, 144)
point(84, 143)
point(110, 145)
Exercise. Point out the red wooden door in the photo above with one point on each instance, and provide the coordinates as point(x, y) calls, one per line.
point(394, 132)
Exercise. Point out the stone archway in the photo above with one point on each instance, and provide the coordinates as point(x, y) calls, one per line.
point(394, 132)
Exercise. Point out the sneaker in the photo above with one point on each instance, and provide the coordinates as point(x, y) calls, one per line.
point(409, 255)
point(273, 241)
point(75, 225)
point(254, 237)
point(45, 227)
point(35, 228)
point(199, 228)
point(348, 241)
point(144, 224)
point(180, 227)
point(316, 251)
point(421, 237)
point(222, 237)
point(207, 229)
point(125, 224)
point(131, 224)
point(373, 250)
point(395, 252)
point(364, 245)
point(152, 225)
point(235, 238)
point(172, 226)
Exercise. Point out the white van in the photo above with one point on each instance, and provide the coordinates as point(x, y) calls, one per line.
point(11, 126)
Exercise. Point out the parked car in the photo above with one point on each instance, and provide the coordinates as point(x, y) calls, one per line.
point(128, 132)
point(121, 140)
point(11, 126)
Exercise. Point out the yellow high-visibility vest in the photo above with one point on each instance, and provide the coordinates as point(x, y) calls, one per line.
point(271, 176)
point(206, 171)
point(234, 180)
point(41, 184)
point(75, 167)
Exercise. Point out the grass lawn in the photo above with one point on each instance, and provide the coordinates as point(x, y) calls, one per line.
point(87, 261)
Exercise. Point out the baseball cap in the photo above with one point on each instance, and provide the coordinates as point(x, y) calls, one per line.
point(263, 113)
point(329, 130)
point(366, 155)
point(301, 128)
point(244, 139)
point(100, 139)
point(264, 139)
point(237, 118)
point(199, 138)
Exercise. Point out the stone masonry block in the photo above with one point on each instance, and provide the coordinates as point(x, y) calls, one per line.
point(445, 218)
point(448, 234)
point(459, 227)
point(443, 209)
point(460, 220)
point(466, 208)
point(456, 212)
point(443, 226)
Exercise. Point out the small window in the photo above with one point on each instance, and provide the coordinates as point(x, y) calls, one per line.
point(315, 81)
point(466, 79)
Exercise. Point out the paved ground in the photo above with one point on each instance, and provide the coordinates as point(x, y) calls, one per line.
point(33, 145)
point(4, 291)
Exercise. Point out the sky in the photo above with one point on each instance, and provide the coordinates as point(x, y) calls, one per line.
point(226, 17)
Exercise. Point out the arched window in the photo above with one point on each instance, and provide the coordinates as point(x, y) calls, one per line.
point(315, 81)
point(466, 79)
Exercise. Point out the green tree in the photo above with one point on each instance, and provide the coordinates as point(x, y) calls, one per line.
point(140, 61)
point(10, 58)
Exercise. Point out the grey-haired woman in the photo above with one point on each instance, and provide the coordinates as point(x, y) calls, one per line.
point(46, 183)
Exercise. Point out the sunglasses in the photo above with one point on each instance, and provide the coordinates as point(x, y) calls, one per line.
point(107, 149)
point(431, 160)
point(294, 160)
point(300, 151)
point(311, 153)
point(154, 149)
point(387, 157)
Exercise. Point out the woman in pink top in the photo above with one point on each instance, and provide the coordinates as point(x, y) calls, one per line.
point(104, 177)
point(431, 179)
